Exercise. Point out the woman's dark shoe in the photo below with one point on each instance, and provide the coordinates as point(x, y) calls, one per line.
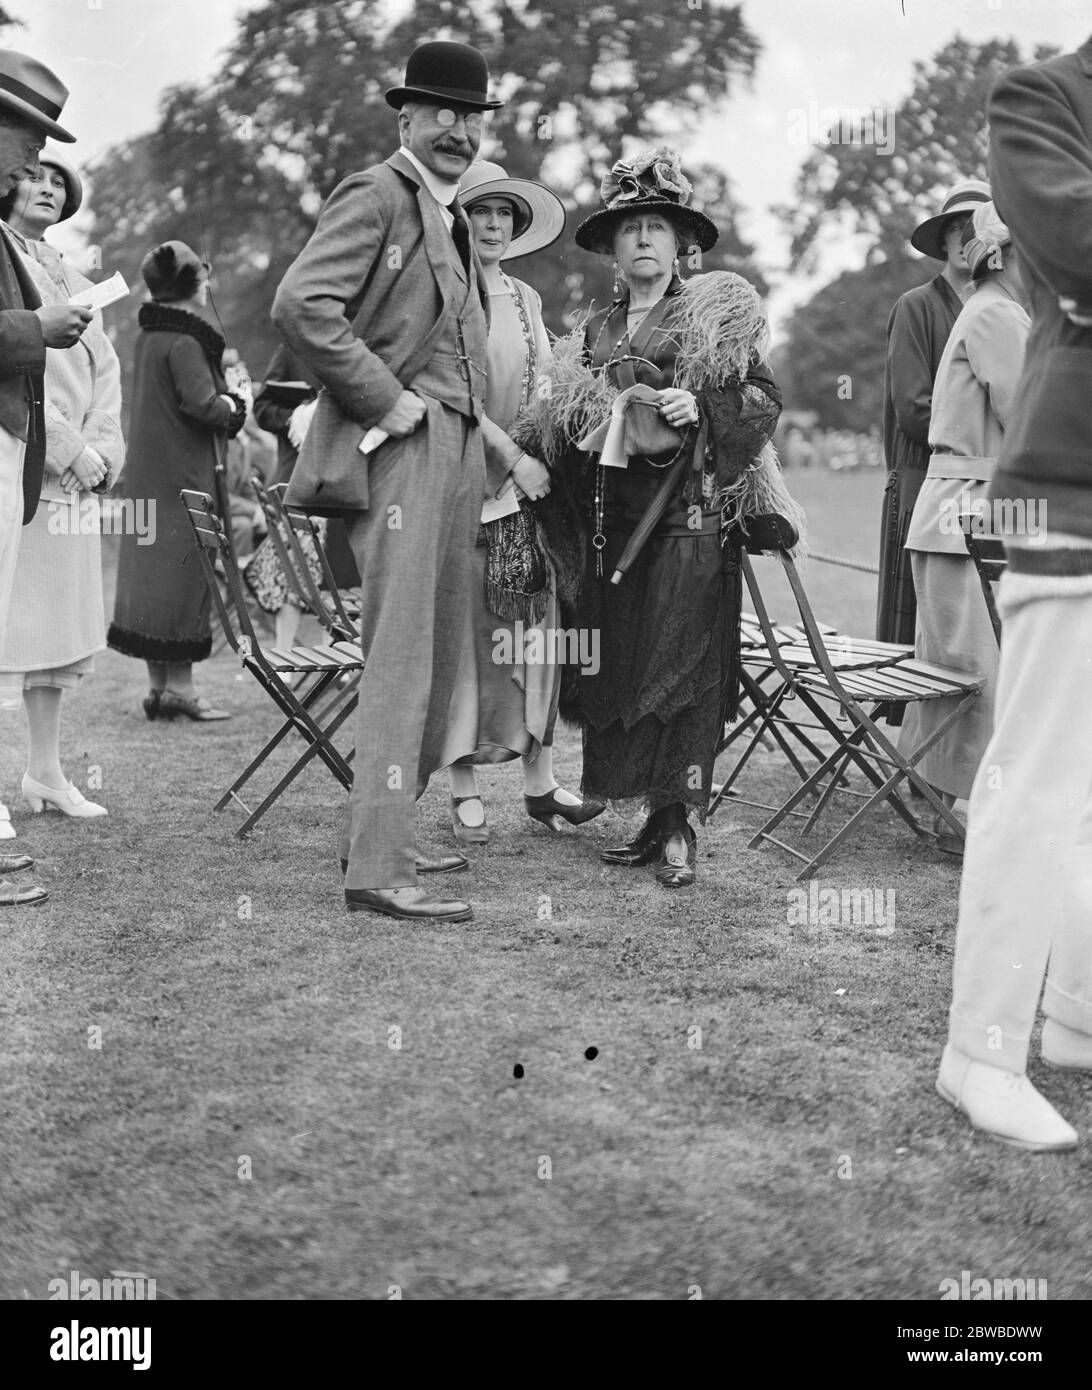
point(641, 850)
point(678, 855)
point(548, 811)
point(193, 707)
point(151, 704)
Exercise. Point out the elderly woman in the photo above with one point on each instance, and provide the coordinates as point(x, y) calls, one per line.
point(697, 464)
point(506, 705)
point(57, 621)
point(972, 400)
point(182, 417)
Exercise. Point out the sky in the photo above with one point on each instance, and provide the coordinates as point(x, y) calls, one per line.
point(118, 56)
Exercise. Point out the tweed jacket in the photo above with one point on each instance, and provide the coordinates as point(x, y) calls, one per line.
point(364, 305)
point(1041, 172)
point(22, 369)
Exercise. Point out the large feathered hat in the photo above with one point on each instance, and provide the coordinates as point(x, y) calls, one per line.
point(654, 180)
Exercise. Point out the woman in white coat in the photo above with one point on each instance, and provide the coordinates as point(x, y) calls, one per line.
point(57, 621)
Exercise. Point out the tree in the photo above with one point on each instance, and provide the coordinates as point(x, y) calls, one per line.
point(242, 168)
point(940, 136)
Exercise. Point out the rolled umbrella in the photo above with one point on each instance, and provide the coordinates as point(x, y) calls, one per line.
point(654, 512)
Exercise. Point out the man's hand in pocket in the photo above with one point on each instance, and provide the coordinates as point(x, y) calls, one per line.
point(404, 416)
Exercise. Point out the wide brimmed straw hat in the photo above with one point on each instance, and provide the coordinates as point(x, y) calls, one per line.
point(540, 213)
point(928, 237)
point(653, 181)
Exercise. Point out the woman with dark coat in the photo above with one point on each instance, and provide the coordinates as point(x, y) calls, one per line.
point(654, 711)
point(182, 417)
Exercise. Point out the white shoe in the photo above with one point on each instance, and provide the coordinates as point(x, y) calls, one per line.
point(1002, 1104)
point(7, 830)
point(69, 800)
point(1065, 1047)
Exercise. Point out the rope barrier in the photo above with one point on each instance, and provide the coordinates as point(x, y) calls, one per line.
point(846, 564)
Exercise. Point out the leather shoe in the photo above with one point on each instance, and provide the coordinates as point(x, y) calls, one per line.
point(1002, 1103)
point(642, 849)
point(15, 863)
point(437, 864)
point(675, 868)
point(10, 896)
point(409, 904)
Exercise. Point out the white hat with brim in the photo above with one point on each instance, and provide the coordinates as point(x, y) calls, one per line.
point(544, 210)
point(928, 237)
point(73, 186)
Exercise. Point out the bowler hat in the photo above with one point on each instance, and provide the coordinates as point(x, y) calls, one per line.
point(443, 71)
point(540, 213)
point(29, 89)
point(965, 196)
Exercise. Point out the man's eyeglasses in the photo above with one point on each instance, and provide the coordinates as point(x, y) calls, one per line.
point(471, 119)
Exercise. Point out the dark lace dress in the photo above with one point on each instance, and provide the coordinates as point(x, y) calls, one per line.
point(654, 712)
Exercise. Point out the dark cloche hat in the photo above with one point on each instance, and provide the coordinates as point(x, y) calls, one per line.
point(443, 71)
point(172, 271)
point(653, 180)
point(37, 95)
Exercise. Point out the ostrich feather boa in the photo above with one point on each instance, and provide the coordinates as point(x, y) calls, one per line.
point(720, 328)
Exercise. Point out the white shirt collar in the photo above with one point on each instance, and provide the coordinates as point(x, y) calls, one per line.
point(443, 191)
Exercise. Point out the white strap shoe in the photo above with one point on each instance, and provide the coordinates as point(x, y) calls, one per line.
point(1002, 1104)
point(7, 830)
point(69, 800)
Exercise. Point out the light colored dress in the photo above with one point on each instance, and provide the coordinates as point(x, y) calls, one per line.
point(57, 620)
point(507, 708)
point(972, 400)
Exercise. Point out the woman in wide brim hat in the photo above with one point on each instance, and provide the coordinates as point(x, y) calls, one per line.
point(653, 712)
point(965, 197)
point(507, 705)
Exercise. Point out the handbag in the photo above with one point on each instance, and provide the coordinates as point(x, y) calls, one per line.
point(635, 427)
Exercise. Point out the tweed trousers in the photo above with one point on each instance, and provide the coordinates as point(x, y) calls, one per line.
point(1025, 904)
point(414, 549)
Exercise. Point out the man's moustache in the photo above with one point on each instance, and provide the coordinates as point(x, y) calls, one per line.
point(464, 150)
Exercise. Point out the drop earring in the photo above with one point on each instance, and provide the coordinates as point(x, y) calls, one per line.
point(617, 282)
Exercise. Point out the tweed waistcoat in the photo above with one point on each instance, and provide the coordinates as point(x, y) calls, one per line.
point(455, 374)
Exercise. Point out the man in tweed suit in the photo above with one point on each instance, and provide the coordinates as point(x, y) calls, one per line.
point(386, 305)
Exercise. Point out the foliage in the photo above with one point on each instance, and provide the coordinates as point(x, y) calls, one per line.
point(940, 136)
point(242, 167)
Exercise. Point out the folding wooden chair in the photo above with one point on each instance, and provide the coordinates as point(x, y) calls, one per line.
point(857, 694)
point(770, 684)
point(988, 554)
point(320, 666)
point(337, 609)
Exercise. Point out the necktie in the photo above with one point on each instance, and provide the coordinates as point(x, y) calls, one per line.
point(459, 233)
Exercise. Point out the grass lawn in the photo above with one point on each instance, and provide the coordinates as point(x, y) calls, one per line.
point(363, 1072)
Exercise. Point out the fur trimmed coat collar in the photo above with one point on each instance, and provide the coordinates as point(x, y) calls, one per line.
point(168, 318)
